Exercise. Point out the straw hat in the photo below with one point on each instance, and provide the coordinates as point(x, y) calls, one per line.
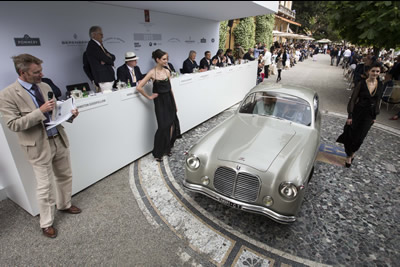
point(129, 56)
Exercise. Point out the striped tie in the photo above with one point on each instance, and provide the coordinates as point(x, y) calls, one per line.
point(40, 100)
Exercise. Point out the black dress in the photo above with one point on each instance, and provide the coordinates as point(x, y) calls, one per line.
point(363, 108)
point(167, 118)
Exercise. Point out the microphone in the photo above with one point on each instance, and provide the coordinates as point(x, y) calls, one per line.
point(50, 96)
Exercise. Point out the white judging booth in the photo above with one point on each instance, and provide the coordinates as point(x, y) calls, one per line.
point(115, 129)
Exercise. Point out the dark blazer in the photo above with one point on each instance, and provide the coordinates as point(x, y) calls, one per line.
point(95, 55)
point(54, 88)
point(123, 74)
point(219, 61)
point(170, 67)
point(248, 56)
point(231, 58)
point(188, 66)
point(204, 63)
point(86, 67)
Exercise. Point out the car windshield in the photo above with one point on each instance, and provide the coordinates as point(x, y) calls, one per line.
point(276, 105)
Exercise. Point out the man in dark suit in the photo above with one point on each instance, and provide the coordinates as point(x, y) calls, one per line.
point(205, 62)
point(100, 60)
point(219, 59)
point(229, 57)
point(130, 71)
point(249, 55)
point(190, 63)
point(26, 108)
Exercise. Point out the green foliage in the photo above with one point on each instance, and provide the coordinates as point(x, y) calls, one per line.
point(223, 31)
point(312, 15)
point(368, 23)
point(244, 33)
point(264, 28)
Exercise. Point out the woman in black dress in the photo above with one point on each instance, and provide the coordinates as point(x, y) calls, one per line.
point(362, 110)
point(164, 102)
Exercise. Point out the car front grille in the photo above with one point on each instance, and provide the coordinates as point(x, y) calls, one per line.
point(241, 186)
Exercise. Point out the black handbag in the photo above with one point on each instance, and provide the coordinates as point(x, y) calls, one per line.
point(345, 137)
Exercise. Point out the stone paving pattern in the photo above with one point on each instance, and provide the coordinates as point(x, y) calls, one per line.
point(349, 216)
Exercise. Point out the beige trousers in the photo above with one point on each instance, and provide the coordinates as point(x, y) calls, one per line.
point(53, 178)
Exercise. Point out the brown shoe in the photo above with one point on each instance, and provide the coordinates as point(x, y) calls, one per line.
point(72, 210)
point(50, 232)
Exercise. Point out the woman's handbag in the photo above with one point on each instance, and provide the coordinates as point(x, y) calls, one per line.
point(345, 137)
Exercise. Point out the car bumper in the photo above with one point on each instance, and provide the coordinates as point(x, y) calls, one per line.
point(238, 204)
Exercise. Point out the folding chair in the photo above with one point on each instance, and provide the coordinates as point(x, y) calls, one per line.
point(386, 96)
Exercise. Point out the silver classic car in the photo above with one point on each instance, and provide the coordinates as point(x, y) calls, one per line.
point(261, 158)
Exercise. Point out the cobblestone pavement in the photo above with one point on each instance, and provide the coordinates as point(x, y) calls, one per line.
point(349, 216)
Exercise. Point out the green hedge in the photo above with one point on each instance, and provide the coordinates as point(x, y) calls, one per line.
point(264, 27)
point(244, 33)
point(223, 31)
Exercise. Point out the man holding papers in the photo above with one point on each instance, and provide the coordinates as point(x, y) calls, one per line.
point(26, 109)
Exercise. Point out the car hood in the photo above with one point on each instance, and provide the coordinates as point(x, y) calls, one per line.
point(254, 140)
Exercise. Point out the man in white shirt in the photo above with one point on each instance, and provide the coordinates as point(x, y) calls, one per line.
point(346, 57)
point(267, 61)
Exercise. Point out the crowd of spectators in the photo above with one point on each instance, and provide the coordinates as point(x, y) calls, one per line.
point(356, 60)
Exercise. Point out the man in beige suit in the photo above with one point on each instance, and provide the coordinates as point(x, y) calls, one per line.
point(25, 107)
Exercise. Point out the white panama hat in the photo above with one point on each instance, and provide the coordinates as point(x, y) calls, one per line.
point(129, 56)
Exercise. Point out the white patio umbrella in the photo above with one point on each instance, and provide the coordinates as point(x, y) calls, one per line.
point(324, 41)
point(305, 37)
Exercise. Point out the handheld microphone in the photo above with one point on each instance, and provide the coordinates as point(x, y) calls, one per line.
point(50, 96)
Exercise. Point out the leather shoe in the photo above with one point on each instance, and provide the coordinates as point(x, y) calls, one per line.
point(72, 210)
point(50, 232)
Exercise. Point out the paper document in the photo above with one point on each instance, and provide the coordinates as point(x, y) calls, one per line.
point(63, 113)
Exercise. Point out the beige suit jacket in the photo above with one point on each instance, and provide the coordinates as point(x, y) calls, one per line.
point(23, 117)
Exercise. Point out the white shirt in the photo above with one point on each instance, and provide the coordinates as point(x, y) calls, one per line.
point(97, 42)
point(347, 53)
point(130, 71)
point(267, 58)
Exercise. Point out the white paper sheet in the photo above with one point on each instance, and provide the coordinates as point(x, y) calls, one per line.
point(63, 112)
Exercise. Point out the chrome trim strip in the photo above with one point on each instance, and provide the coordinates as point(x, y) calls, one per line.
point(245, 206)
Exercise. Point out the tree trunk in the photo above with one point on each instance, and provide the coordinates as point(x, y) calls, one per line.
point(376, 51)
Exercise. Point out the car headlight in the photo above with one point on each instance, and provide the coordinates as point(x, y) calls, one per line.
point(288, 190)
point(193, 162)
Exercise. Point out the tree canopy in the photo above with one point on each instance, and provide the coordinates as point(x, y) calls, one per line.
point(312, 15)
point(368, 23)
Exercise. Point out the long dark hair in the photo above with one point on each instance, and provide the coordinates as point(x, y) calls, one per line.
point(158, 54)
